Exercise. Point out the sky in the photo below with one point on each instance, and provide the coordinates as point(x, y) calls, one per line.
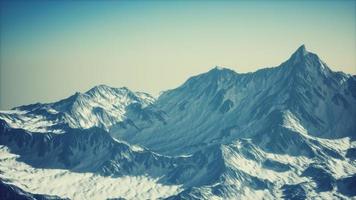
point(51, 49)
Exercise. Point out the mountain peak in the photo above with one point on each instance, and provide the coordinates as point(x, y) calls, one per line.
point(299, 53)
point(219, 69)
point(100, 87)
point(302, 57)
point(103, 87)
point(305, 62)
point(302, 49)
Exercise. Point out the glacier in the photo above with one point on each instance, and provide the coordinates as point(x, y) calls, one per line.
point(285, 132)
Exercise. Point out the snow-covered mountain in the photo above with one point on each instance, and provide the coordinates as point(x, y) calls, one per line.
point(286, 132)
point(102, 106)
point(222, 105)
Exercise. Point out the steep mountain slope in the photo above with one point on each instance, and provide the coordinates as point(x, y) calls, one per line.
point(221, 105)
point(251, 173)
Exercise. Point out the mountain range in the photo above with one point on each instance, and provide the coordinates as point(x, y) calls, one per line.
point(286, 132)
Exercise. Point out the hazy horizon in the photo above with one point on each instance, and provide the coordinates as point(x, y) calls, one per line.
point(50, 50)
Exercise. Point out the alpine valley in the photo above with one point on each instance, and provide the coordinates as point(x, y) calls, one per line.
point(286, 132)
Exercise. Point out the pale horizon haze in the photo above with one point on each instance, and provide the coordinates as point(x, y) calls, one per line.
point(50, 50)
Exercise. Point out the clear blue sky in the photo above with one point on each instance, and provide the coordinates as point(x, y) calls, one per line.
point(49, 50)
